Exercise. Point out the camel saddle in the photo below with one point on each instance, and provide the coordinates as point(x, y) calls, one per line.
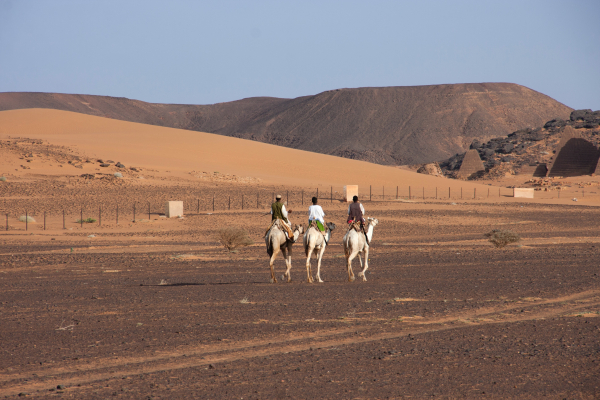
point(314, 224)
point(354, 225)
point(283, 227)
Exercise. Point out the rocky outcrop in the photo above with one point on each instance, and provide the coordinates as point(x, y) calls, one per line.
point(430, 169)
point(566, 147)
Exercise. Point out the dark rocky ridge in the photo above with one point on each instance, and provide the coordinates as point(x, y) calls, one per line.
point(527, 147)
point(388, 125)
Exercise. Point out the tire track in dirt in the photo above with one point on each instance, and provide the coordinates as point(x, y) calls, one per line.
point(222, 353)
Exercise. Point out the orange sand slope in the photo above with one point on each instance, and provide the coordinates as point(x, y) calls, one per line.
point(181, 151)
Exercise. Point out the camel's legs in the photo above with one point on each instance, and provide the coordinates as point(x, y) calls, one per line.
point(275, 251)
point(287, 255)
point(309, 251)
point(364, 271)
point(349, 264)
point(319, 258)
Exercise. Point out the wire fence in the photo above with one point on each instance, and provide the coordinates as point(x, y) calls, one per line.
point(57, 216)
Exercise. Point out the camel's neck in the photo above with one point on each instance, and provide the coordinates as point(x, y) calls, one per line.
point(296, 235)
point(328, 236)
point(370, 232)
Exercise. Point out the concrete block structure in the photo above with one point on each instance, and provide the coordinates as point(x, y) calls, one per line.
point(471, 164)
point(174, 209)
point(350, 191)
point(523, 192)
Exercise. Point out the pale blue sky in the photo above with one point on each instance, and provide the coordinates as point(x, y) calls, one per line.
point(200, 52)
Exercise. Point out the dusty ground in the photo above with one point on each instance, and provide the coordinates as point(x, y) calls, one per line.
point(149, 307)
point(157, 309)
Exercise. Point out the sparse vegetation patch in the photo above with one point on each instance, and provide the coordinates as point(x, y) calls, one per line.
point(28, 219)
point(233, 237)
point(502, 237)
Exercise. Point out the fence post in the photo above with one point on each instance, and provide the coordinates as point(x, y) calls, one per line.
point(409, 192)
point(99, 215)
point(488, 192)
point(6, 221)
point(287, 197)
point(370, 196)
point(331, 198)
point(117, 214)
point(26, 219)
point(423, 192)
point(448, 192)
point(383, 195)
point(302, 196)
point(213, 202)
point(64, 224)
point(559, 193)
point(474, 193)
point(148, 211)
point(498, 192)
point(436, 192)
point(396, 192)
point(81, 218)
point(133, 212)
point(44, 220)
point(229, 203)
point(257, 200)
point(242, 202)
point(198, 212)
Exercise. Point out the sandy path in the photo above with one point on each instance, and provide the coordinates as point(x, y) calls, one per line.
point(190, 357)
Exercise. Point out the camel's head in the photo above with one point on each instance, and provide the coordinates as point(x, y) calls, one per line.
point(331, 226)
point(299, 228)
point(373, 222)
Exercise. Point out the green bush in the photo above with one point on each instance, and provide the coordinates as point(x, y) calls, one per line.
point(502, 237)
point(2, 179)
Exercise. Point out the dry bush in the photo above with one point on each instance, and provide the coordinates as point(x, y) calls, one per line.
point(502, 237)
point(233, 237)
point(88, 220)
point(28, 218)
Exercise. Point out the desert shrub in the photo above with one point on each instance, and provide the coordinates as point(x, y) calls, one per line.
point(118, 175)
point(232, 237)
point(2, 179)
point(28, 218)
point(86, 221)
point(502, 237)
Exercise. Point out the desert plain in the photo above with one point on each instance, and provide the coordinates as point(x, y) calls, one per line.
point(143, 306)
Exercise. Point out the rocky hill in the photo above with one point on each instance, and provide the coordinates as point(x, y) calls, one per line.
point(528, 150)
point(388, 125)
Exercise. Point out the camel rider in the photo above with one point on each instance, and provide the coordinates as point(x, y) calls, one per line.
point(278, 211)
point(316, 213)
point(355, 213)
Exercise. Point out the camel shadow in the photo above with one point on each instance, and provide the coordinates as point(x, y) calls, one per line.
point(200, 284)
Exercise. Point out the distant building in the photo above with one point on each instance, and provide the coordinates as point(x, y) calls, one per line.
point(471, 165)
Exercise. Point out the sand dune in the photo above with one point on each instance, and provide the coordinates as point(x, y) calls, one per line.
point(385, 125)
point(181, 151)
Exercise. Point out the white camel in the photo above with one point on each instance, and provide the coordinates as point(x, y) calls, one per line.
point(276, 241)
point(314, 240)
point(355, 244)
